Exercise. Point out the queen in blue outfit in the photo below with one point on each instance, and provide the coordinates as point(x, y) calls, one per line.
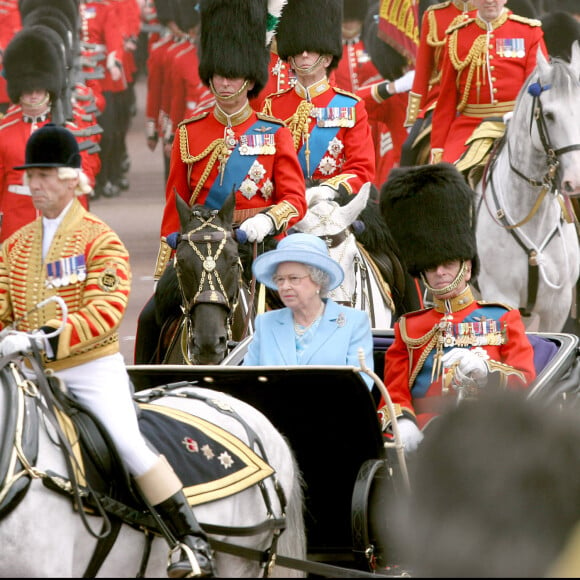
point(311, 329)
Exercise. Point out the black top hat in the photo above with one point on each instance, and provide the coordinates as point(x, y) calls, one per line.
point(233, 41)
point(523, 8)
point(430, 210)
point(51, 146)
point(354, 9)
point(312, 25)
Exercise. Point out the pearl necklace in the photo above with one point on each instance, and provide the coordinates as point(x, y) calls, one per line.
point(299, 329)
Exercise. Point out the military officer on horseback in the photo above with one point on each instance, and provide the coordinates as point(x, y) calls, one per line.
point(69, 252)
point(443, 354)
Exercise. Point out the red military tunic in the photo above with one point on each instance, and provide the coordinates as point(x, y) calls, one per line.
point(255, 157)
point(436, 20)
point(482, 75)
point(331, 133)
point(355, 69)
point(409, 361)
point(16, 207)
point(280, 77)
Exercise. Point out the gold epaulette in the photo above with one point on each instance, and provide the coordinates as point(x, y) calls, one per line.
point(438, 6)
point(347, 93)
point(459, 24)
point(525, 20)
point(414, 313)
point(194, 118)
point(270, 119)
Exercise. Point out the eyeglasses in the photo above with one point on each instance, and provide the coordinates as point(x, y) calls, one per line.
point(293, 280)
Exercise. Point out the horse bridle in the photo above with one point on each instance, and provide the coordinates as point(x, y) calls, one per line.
point(210, 289)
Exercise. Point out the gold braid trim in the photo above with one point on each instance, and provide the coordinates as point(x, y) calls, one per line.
point(163, 256)
point(281, 214)
point(475, 59)
point(429, 339)
point(299, 122)
point(217, 149)
point(432, 39)
point(504, 370)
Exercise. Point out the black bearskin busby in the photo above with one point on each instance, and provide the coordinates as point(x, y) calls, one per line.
point(32, 61)
point(69, 10)
point(315, 26)
point(233, 41)
point(561, 29)
point(354, 9)
point(387, 60)
point(571, 6)
point(523, 8)
point(51, 146)
point(430, 211)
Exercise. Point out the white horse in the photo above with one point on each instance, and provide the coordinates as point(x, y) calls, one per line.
point(43, 535)
point(526, 236)
point(363, 286)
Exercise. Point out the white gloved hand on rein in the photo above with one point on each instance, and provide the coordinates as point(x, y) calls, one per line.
point(405, 83)
point(410, 434)
point(257, 227)
point(469, 364)
point(17, 341)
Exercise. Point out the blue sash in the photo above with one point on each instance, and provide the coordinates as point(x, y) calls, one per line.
point(320, 137)
point(237, 167)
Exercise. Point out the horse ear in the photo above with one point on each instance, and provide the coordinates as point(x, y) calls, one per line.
point(183, 210)
point(542, 63)
point(575, 58)
point(356, 205)
point(226, 212)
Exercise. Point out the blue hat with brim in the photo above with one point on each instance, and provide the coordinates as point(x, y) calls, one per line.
point(303, 248)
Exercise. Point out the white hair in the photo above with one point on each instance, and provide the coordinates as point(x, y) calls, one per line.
point(83, 186)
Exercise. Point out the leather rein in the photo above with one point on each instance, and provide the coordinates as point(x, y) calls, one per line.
point(548, 184)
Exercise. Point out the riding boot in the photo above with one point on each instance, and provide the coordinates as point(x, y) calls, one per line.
point(194, 550)
point(163, 491)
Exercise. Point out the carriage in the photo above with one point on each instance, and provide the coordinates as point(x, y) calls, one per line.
point(328, 415)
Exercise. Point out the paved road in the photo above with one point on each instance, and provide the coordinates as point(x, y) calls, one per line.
point(136, 217)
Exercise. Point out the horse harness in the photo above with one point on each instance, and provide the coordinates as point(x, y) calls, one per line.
point(210, 289)
point(548, 184)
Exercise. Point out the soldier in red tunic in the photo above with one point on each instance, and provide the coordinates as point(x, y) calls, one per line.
point(329, 125)
point(230, 147)
point(488, 58)
point(450, 351)
point(425, 90)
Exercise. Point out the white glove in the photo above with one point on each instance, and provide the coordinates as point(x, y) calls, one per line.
point(470, 364)
point(320, 193)
point(257, 227)
point(405, 83)
point(410, 434)
point(16, 341)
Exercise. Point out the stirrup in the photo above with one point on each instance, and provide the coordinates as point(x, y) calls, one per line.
point(181, 547)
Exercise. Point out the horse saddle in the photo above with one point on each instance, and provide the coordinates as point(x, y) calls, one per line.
point(211, 462)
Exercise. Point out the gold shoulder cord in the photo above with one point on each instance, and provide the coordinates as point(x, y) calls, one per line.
point(474, 59)
point(218, 150)
point(299, 122)
point(432, 38)
point(430, 339)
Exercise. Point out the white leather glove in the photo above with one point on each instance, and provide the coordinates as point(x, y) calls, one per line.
point(405, 83)
point(17, 341)
point(469, 364)
point(257, 227)
point(410, 434)
point(320, 193)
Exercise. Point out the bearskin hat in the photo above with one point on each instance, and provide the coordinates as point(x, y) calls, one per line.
point(571, 6)
point(233, 41)
point(561, 29)
point(32, 61)
point(430, 211)
point(390, 63)
point(523, 8)
point(315, 26)
point(69, 10)
point(354, 9)
point(51, 146)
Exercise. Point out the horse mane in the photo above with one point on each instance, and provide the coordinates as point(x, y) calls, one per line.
point(377, 240)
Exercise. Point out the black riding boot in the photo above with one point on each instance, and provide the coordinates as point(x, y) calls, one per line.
point(178, 516)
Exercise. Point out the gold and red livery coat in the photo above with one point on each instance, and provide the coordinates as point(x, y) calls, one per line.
point(410, 359)
point(331, 133)
point(482, 75)
point(254, 157)
point(87, 266)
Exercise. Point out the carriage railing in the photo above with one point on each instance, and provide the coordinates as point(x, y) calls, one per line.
point(397, 441)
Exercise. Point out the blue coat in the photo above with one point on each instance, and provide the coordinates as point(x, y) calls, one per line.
point(342, 331)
